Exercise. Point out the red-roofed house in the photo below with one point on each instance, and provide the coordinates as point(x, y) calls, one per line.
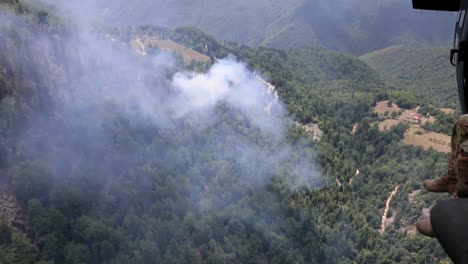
point(417, 118)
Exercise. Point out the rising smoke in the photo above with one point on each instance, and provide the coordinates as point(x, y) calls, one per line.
point(98, 89)
point(128, 136)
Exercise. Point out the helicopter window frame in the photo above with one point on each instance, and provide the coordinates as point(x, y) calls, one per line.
point(459, 26)
point(462, 18)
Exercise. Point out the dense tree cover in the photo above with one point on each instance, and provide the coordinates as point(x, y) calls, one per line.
point(357, 26)
point(172, 194)
point(339, 103)
point(426, 72)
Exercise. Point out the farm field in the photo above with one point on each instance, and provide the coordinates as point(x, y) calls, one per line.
point(426, 140)
point(415, 135)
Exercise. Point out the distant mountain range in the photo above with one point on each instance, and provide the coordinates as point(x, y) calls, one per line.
point(346, 25)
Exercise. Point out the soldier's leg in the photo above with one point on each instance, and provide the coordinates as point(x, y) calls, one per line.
point(459, 134)
point(456, 180)
point(462, 170)
point(458, 165)
point(425, 227)
point(448, 182)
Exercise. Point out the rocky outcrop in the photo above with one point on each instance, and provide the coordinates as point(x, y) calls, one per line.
point(9, 207)
point(314, 130)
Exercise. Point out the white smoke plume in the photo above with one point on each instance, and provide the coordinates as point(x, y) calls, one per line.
point(108, 77)
point(229, 81)
point(137, 132)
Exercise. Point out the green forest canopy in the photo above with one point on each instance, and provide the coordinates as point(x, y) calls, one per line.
point(168, 195)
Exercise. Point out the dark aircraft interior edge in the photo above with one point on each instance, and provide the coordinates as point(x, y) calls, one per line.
point(449, 218)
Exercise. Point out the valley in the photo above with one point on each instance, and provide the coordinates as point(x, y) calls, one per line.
point(293, 23)
point(220, 153)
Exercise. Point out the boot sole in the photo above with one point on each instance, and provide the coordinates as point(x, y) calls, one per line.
point(449, 189)
point(462, 189)
point(425, 232)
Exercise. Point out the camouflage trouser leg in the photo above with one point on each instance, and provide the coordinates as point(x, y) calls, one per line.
point(459, 141)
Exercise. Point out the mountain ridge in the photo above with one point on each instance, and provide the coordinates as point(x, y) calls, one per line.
point(425, 71)
point(357, 27)
point(104, 178)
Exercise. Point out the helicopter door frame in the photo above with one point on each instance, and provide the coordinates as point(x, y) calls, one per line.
point(461, 39)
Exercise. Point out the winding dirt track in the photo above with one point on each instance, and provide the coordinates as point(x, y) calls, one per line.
point(352, 178)
point(272, 91)
point(387, 208)
point(142, 47)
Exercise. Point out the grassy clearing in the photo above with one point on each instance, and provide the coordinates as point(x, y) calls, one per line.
point(415, 135)
point(447, 111)
point(437, 141)
point(387, 124)
point(403, 114)
point(187, 54)
point(382, 107)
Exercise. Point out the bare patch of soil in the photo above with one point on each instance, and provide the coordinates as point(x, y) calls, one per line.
point(439, 142)
point(382, 107)
point(187, 54)
point(447, 111)
point(387, 124)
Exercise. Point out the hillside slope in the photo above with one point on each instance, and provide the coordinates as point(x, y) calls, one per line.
point(118, 157)
point(353, 26)
point(358, 26)
point(425, 71)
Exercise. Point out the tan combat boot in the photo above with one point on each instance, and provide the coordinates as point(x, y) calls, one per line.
point(462, 166)
point(447, 184)
point(425, 228)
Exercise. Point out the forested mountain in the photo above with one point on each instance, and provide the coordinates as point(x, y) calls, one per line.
point(355, 26)
point(425, 71)
point(119, 153)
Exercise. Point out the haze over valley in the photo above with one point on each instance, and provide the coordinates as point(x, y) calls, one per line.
point(204, 131)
